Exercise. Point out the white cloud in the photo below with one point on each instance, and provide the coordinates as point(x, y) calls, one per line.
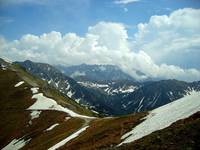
point(173, 39)
point(107, 43)
point(125, 1)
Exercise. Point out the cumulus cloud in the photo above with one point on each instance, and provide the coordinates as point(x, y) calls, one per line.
point(104, 43)
point(125, 1)
point(173, 39)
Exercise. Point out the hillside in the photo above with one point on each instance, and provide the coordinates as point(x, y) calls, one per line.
point(24, 119)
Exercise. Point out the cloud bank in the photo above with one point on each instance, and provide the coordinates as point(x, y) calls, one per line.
point(173, 39)
point(109, 43)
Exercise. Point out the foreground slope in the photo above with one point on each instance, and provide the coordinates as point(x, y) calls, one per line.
point(183, 134)
point(164, 116)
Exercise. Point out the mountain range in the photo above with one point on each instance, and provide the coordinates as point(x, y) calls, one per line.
point(108, 90)
point(36, 115)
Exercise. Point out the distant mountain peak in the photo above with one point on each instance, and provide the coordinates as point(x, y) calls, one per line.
point(95, 72)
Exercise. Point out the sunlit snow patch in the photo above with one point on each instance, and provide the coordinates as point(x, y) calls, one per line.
point(164, 116)
point(45, 103)
point(34, 114)
point(63, 142)
point(51, 127)
point(16, 144)
point(19, 83)
point(34, 90)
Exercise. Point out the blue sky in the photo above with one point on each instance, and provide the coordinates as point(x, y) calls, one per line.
point(18, 17)
point(160, 38)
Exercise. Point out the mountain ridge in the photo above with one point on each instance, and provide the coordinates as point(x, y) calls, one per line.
point(113, 97)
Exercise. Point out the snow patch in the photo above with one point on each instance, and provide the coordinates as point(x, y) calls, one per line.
point(3, 67)
point(57, 83)
point(16, 144)
point(35, 114)
point(69, 138)
point(19, 83)
point(67, 118)
point(93, 85)
point(50, 81)
point(51, 127)
point(45, 103)
point(77, 100)
point(127, 90)
point(34, 90)
point(70, 94)
point(164, 116)
point(95, 112)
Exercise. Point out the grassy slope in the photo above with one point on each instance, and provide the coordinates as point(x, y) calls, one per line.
point(14, 120)
point(104, 133)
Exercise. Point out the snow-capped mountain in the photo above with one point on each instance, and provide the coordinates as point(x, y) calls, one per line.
point(113, 97)
point(113, 87)
point(107, 78)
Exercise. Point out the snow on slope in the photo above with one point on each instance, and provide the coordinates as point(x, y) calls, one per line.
point(16, 144)
point(34, 90)
point(45, 103)
point(51, 127)
point(18, 84)
point(35, 114)
point(164, 116)
point(63, 142)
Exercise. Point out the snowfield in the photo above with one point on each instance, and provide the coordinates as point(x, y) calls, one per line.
point(45, 103)
point(63, 142)
point(18, 84)
point(164, 116)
